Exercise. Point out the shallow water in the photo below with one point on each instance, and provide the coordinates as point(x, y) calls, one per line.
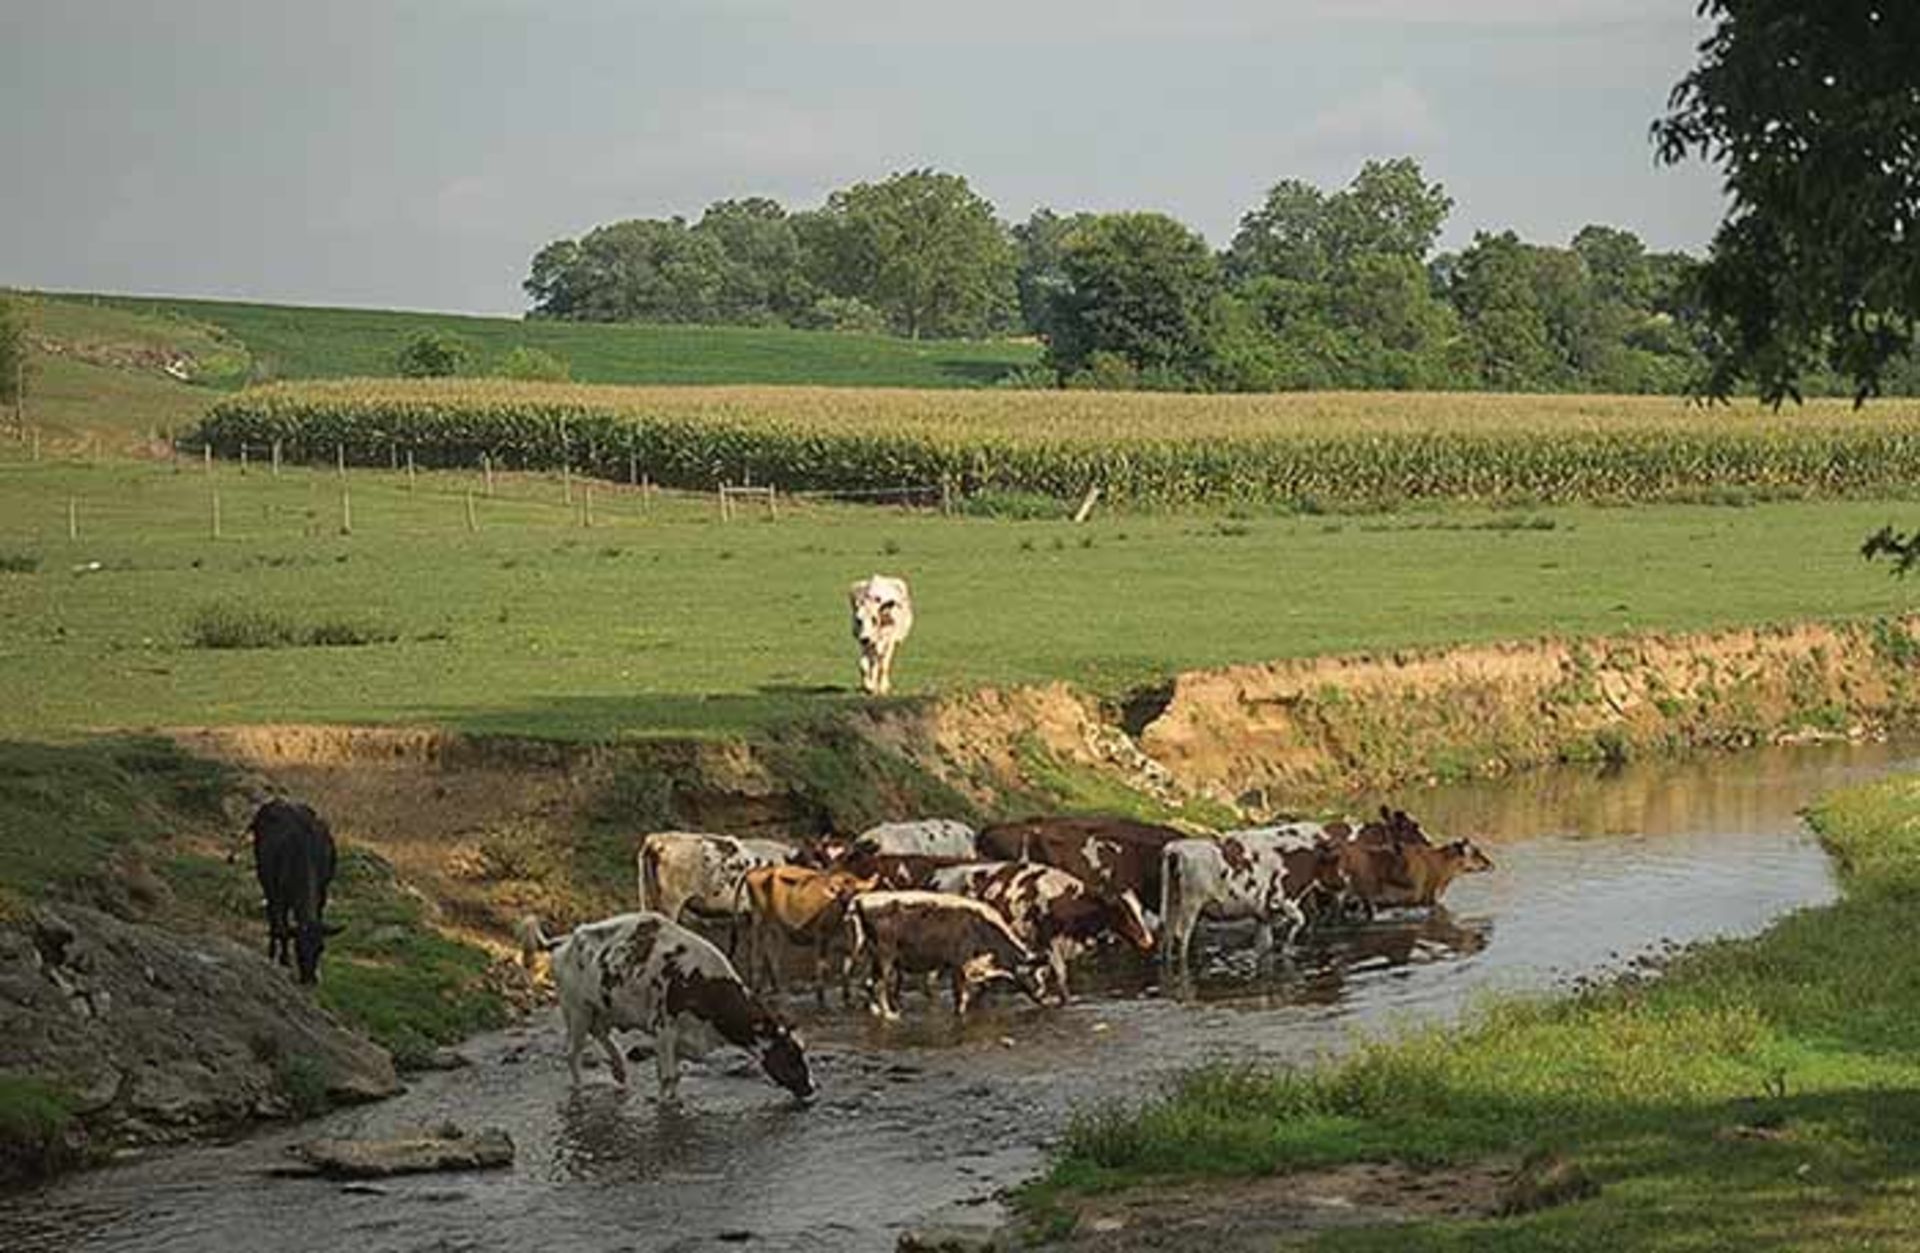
point(924, 1119)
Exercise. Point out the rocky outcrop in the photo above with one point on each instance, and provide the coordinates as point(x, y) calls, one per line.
point(154, 1036)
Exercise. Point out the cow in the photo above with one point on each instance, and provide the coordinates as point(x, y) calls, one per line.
point(685, 869)
point(922, 837)
point(932, 933)
point(1428, 870)
point(1113, 856)
point(1262, 873)
point(897, 870)
point(645, 972)
point(1391, 863)
point(882, 619)
point(1052, 912)
point(293, 857)
point(804, 906)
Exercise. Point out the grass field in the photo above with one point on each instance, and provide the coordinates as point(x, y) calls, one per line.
point(299, 341)
point(670, 622)
point(1761, 1094)
point(1302, 451)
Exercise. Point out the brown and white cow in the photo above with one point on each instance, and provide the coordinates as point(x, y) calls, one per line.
point(916, 932)
point(882, 619)
point(1052, 912)
point(644, 972)
point(1111, 855)
point(802, 906)
point(1261, 873)
point(896, 870)
point(1391, 863)
point(681, 870)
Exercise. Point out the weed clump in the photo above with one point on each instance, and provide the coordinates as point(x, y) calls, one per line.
point(226, 625)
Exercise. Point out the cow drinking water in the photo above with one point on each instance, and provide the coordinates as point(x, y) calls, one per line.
point(641, 972)
point(882, 619)
point(293, 857)
point(933, 933)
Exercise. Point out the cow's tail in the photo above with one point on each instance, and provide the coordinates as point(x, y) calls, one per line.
point(649, 877)
point(534, 941)
point(1169, 898)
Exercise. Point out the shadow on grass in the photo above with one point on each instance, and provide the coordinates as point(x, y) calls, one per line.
point(659, 715)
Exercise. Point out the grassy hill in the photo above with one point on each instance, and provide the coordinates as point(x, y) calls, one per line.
point(294, 341)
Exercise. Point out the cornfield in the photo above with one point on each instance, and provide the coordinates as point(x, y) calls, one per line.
point(1140, 449)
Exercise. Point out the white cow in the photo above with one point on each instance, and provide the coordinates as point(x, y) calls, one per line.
point(686, 868)
point(1262, 874)
point(923, 837)
point(882, 618)
point(642, 972)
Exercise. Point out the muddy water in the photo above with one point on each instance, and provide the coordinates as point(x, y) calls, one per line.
point(925, 1120)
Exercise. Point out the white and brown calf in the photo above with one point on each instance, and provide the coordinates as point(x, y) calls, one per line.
point(1263, 874)
point(643, 972)
point(882, 619)
point(1051, 911)
point(902, 933)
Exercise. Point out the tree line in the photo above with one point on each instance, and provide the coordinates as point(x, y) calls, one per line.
point(1317, 289)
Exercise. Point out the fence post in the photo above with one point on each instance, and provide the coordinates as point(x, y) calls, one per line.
point(723, 502)
point(216, 513)
point(646, 493)
point(566, 482)
point(346, 507)
point(393, 455)
point(206, 457)
point(73, 519)
point(340, 460)
point(586, 505)
point(486, 464)
point(473, 523)
point(946, 496)
point(633, 469)
point(276, 458)
point(409, 469)
point(243, 458)
point(773, 509)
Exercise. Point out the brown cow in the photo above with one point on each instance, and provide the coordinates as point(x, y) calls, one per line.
point(804, 906)
point(1109, 854)
point(932, 933)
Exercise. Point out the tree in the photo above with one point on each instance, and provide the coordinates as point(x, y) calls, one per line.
point(14, 367)
point(1812, 108)
point(1300, 232)
point(1040, 274)
point(433, 354)
point(1140, 286)
point(922, 248)
point(762, 276)
point(643, 270)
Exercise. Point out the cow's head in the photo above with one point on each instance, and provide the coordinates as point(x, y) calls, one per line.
point(309, 941)
point(1468, 856)
point(784, 1059)
point(1324, 871)
point(1129, 920)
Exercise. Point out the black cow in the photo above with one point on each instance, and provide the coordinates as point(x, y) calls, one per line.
point(293, 856)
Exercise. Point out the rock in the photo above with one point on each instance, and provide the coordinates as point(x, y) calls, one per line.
point(158, 1036)
point(443, 1059)
point(1543, 1181)
point(490, 1149)
point(951, 1239)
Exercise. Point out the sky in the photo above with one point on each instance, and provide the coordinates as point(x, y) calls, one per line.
point(416, 153)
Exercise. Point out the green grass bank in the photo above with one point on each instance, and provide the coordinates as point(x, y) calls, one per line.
point(1760, 1093)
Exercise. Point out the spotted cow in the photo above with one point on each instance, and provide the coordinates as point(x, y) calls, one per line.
point(1262, 873)
point(682, 870)
point(644, 972)
point(1052, 912)
point(1113, 856)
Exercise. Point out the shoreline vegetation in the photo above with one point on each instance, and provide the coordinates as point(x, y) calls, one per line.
point(1752, 1093)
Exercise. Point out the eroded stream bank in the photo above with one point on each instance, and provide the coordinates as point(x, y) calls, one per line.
point(1592, 871)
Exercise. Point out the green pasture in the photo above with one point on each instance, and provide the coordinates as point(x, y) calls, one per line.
point(661, 620)
point(1760, 1094)
point(301, 341)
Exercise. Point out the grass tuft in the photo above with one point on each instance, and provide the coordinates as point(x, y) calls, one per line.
point(225, 625)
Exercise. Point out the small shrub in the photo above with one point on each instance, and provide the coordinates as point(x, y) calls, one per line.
point(18, 563)
point(433, 354)
point(533, 365)
point(1013, 506)
point(1029, 378)
point(225, 625)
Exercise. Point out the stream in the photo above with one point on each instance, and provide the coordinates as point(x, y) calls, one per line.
point(926, 1120)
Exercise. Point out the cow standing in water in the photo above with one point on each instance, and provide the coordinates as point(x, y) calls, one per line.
point(882, 618)
point(293, 857)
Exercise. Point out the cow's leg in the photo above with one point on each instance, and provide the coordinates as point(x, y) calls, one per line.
point(576, 1041)
point(1057, 960)
point(666, 1062)
point(279, 935)
point(1293, 920)
point(616, 1063)
point(882, 1003)
point(962, 994)
point(886, 669)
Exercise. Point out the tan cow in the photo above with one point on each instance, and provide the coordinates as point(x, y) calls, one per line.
point(882, 619)
point(803, 906)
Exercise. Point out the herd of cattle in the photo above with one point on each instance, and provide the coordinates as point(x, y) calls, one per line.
point(1014, 903)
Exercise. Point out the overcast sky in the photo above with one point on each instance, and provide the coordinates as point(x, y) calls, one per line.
point(415, 153)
